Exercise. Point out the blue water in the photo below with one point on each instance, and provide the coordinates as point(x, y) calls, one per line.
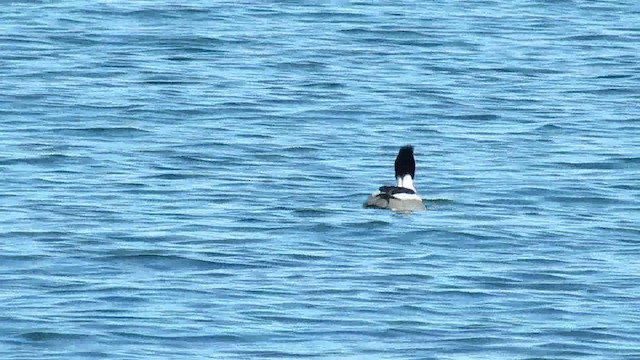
point(185, 181)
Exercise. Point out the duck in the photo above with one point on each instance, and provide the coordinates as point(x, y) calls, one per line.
point(403, 197)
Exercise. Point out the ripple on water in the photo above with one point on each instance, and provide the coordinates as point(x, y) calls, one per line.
point(186, 181)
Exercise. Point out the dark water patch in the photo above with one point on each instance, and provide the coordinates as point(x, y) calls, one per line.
point(474, 117)
point(427, 131)
point(305, 65)
point(268, 291)
point(599, 333)
point(476, 340)
point(399, 324)
point(588, 200)
point(75, 39)
point(144, 189)
point(164, 80)
point(385, 34)
point(632, 232)
point(611, 91)
point(104, 132)
point(602, 165)
point(308, 256)
point(489, 282)
point(371, 224)
point(175, 176)
point(278, 354)
point(23, 39)
point(130, 299)
point(525, 71)
point(180, 58)
point(47, 160)
point(312, 212)
point(174, 262)
point(551, 128)
point(339, 114)
point(50, 336)
point(324, 85)
point(627, 162)
point(169, 12)
point(335, 15)
point(536, 276)
point(92, 354)
point(255, 136)
point(611, 163)
point(469, 294)
point(205, 145)
point(549, 311)
point(533, 191)
point(594, 37)
point(301, 149)
point(294, 319)
point(177, 339)
point(194, 159)
point(34, 234)
point(614, 76)
point(476, 236)
point(540, 261)
point(328, 291)
point(565, 287)
point(402, 278)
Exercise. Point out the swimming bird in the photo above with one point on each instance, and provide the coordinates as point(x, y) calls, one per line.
point(402, 197)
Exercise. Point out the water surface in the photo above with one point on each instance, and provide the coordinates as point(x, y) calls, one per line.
point(186, 180)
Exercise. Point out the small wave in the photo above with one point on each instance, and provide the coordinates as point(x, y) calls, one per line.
point(307, 257)
point(438, 201)
point(324, 85)
point(307, 65)
point(51, 159)
point(51, 335)
point(602, 165)
point(312, 211)
point(475, 117)
point(491, 282)
point(609, 91)
point(275, 354)
point(168, 12)
point(342, 14)
point(174, 176)
point(157, 80)
point(549, 127)
point(102, 131)
point(593, 37)
point(122, 299)
point(189, 339)
point(614, 76)
point(463, 293)
point(371, 224)
point(625, 161)
point(540, 261)
point(397, 33)
point(195, 159)
point(597, 200)
point(158, 261)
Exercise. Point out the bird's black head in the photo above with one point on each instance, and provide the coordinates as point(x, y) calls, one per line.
point(405, 163)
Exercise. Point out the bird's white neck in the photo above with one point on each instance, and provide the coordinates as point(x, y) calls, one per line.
point(406, 181)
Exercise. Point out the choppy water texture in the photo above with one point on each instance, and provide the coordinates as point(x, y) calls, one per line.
point(186, 180)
